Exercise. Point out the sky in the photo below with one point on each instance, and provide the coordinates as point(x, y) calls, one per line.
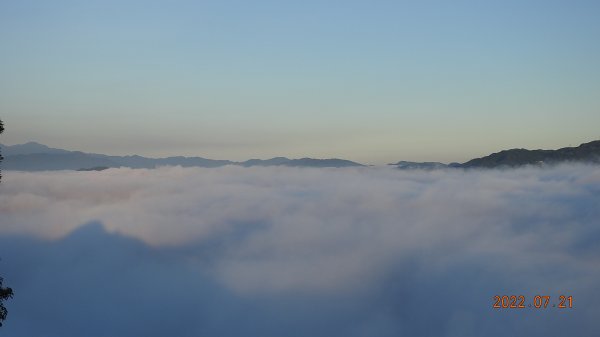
point(280, 251)
point(375, 82)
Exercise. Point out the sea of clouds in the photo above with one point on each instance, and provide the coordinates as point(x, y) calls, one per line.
point(279, 251)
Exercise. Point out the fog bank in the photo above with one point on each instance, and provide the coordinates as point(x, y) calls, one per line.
point(272, 251)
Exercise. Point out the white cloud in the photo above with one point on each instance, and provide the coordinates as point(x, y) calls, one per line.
point(275, 232)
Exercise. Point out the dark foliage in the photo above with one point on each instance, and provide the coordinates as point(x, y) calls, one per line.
point(5, 293)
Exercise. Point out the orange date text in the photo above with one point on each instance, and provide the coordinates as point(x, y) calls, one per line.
point(535, 302)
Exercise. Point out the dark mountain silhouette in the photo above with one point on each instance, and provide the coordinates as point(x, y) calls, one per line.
point(303, 162)
point(411, 165)
point(48, 161)
point(311, 162)
point(269, 162)
point(30, 148)
point(587, 152)
point(97, 168)
point(37, 157)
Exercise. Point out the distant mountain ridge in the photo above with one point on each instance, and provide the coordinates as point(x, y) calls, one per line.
point(29, 148)
point(411, 165)
point(38, 157)
point(585, 153)
point(33, 156)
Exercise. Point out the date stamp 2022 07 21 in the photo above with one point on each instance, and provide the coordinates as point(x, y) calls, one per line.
point(536, 302)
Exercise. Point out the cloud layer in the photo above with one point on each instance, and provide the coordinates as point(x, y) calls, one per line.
point(283, 251)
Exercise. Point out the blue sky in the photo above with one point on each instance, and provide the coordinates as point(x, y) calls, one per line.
point(375, 81)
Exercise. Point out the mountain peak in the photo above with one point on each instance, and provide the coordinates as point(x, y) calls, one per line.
point(30, 148)
point(586, 152)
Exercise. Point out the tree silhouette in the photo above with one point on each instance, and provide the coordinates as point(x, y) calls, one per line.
point(5, 293)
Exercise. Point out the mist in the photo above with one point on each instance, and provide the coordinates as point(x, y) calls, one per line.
point(280, 251)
